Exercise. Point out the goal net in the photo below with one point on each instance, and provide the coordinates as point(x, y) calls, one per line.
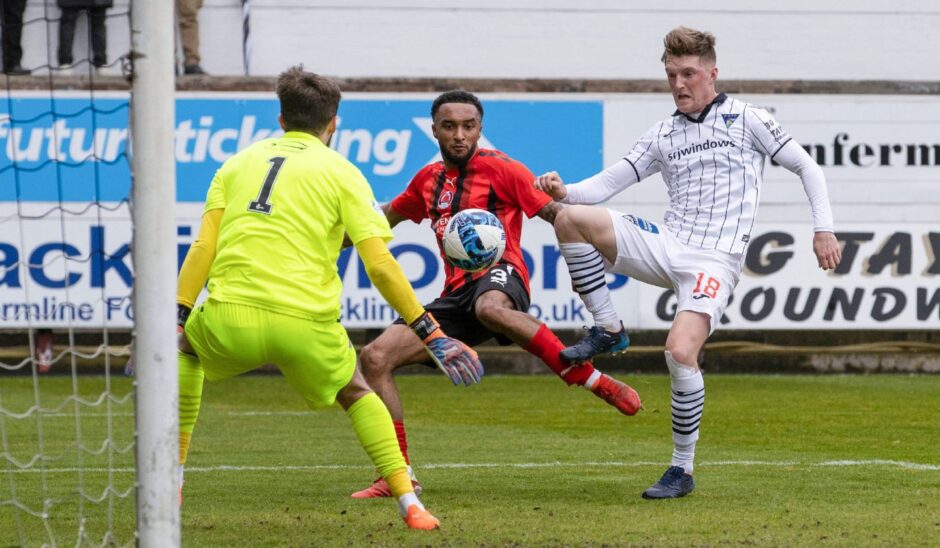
point(87, 456)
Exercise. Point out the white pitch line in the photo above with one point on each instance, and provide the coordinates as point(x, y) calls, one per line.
point(461, 465)
point(902, 464)
point(94, 415)
point(227, 414)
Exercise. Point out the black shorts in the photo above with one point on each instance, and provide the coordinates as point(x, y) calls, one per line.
point(455, 311)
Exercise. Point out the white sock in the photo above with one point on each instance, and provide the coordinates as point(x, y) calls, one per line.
point(688, 400)
point(589, 277)
point(407, 500)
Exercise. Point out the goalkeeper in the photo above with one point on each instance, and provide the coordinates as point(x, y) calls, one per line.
point(274, 220)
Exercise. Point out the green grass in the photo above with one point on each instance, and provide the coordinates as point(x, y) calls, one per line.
point(522, 461)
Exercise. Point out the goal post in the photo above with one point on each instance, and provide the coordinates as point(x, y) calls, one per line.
point(154, 253)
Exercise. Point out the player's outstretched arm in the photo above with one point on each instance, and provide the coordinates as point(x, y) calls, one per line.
point(393, 216)
point(456, 359)
point(550, 183)
point(195, 269)
point(593, 190)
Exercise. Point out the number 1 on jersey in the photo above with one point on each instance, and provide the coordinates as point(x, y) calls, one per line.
point(260, 204)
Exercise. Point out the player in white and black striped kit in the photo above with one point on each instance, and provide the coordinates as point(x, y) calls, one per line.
point(711, 154)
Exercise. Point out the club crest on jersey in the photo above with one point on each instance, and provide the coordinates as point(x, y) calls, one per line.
point(445, 200)
point(729, 119)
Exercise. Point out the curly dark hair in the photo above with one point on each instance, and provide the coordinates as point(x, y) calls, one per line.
point(456, 96)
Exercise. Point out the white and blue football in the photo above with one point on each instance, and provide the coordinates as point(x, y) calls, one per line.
point(474, 240)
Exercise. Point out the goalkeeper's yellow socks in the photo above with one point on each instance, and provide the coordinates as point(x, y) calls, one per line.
point(191, 377)
point(373, 427)
point(185, 438)
point(399, 483)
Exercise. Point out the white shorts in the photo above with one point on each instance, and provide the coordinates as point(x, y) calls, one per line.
point(703, 279)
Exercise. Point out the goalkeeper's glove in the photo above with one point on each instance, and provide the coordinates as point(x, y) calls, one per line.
point(457, 360)
point(182, 314)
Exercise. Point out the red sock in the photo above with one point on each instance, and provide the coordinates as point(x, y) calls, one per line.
point(546, 346)
point(402, 439)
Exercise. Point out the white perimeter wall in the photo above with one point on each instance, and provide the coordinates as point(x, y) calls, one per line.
point(800, 39)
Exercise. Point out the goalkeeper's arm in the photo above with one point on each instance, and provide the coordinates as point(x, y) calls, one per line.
point(195, 269)
point(391, 215)
point(457, 360)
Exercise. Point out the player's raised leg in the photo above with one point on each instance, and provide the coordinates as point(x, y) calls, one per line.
point(499, 314)
point(396, 347)
point(686, 337)
point(586, 239)
point(373, 426)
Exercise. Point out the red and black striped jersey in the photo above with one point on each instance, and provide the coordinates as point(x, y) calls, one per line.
point(490, 180)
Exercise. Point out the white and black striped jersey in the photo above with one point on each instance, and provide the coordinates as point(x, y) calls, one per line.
point(713, 166)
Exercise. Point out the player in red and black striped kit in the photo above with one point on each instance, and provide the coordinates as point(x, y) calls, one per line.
point(475, 307)
point(489, 180)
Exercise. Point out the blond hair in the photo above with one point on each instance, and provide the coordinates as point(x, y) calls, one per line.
point(685, 41)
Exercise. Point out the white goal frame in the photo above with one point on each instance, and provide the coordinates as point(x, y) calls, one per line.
point(154, 254)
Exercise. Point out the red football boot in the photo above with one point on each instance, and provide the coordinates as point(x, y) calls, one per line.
point(618, 394)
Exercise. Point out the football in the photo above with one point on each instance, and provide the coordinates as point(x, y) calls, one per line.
point(474, 240)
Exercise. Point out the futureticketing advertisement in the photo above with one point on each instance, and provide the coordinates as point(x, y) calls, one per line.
point(72, 150)
point(65, 231)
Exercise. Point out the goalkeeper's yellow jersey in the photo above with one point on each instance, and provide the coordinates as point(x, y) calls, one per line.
point(287, 203)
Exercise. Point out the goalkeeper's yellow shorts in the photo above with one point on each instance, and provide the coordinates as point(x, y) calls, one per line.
point(316, 358)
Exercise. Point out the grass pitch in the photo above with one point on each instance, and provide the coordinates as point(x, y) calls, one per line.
point(783, 461)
